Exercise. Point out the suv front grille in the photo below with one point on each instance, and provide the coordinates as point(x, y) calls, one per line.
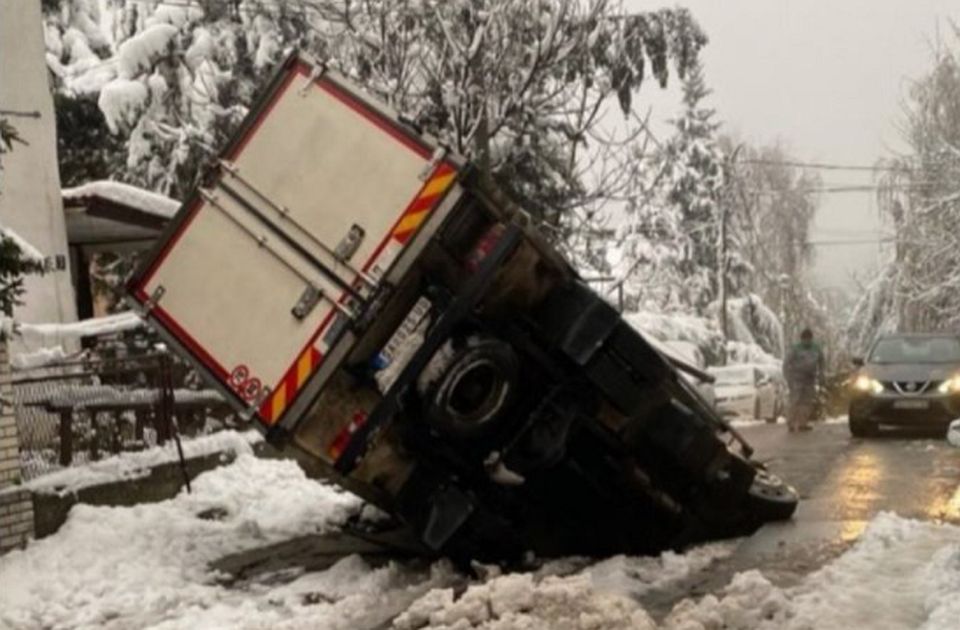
point(911, 388)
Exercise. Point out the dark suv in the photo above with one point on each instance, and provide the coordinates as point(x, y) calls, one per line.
point(908, 380)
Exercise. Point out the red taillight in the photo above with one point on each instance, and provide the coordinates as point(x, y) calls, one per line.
point(340, 443)
point(484, 246)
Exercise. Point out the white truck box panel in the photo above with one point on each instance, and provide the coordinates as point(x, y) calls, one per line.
point(314, 162)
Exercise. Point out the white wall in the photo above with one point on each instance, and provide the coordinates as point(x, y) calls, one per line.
point(30, 200)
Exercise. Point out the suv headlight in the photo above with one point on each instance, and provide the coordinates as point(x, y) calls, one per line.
point(950, 386)
point(864, 383)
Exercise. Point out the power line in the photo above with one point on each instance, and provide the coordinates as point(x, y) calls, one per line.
point(872, 241)
point(820, 165)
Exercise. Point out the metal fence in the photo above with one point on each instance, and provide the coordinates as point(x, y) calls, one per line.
point(73, 413)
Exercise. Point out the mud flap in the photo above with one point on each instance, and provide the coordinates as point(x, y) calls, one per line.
point(449, 510)
point(577, 321)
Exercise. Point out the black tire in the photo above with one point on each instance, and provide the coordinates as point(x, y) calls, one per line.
point(473, 391)
point(860, 427)
point(770, 499)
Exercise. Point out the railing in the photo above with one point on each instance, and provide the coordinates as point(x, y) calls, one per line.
point(77, 412)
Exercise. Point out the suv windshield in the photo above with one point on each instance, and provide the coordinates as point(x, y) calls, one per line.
point(916, 350)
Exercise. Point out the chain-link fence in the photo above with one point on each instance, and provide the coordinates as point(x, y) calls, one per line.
point(73, 413)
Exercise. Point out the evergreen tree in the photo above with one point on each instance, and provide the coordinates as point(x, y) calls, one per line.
point(671, 234)
point(694, 173)
point(13, 262)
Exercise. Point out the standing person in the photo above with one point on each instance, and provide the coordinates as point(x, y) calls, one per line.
point(802, 369)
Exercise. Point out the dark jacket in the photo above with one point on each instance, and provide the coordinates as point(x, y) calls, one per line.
point(803, 366)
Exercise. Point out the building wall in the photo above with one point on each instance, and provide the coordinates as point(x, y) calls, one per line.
point(16, 507)
point(30, 202)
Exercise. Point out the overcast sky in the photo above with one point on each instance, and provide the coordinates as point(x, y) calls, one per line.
point(827, 79)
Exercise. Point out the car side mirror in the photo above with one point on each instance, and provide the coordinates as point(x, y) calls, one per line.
point(857, 361)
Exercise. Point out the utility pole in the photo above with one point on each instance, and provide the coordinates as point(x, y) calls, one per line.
point(722, 262)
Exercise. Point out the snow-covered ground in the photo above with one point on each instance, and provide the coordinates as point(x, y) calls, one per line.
point(147, 567)
point(134, 465)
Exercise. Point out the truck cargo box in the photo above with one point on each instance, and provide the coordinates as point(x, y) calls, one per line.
point(290, 240)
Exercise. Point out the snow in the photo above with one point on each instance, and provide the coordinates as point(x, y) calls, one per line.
point(27, 251)
point(137, 465)
point(38, 358)
point(81, 396)
point(140, 51)
point(953, 433)
point(125, 194)
point(901, 574)
point(516, 601)
point(122, 101)
point(40, 333)
point(146, 566)
point(673, 327)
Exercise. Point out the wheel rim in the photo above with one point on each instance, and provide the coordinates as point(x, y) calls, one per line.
point(476, 392)
point(770, 487)
point(472, 388)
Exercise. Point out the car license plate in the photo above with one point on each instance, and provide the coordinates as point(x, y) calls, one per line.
point(911, 404)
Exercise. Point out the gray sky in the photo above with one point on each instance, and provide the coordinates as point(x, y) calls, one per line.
point(826, 78)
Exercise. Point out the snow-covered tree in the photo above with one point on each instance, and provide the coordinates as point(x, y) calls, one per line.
point(518, 86)
point(670, 239)
point(694, 178)
point(920, 194)
point(770, 206)
point(14, 261)
point(170, 79)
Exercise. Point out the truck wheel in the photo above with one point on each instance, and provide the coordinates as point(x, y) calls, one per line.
point(473, 389)
point(770, 499)
point(860, 427)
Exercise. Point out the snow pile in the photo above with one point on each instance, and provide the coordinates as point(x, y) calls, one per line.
point(740, 352)
point(517, 601)
point(39, 358)
point(700, 331)
point(634, 576)
point(565, 593)
point(900, 575)
point(137, 465)
point(146, 566)
point(125, 195)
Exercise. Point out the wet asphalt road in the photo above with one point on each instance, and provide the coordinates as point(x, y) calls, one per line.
point(843, 483)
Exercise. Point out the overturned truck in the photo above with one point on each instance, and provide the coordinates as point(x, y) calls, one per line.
point(353, 288)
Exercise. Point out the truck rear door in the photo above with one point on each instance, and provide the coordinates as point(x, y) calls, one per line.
point(320, 198)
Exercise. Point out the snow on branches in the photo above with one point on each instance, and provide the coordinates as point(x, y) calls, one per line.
point(920, 196)
point(517, 86)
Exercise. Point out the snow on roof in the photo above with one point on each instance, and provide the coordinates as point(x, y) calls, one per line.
point(27, 250)
point(125, 195)
point(49, 335)
point(80, 396)
point(39, 358)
